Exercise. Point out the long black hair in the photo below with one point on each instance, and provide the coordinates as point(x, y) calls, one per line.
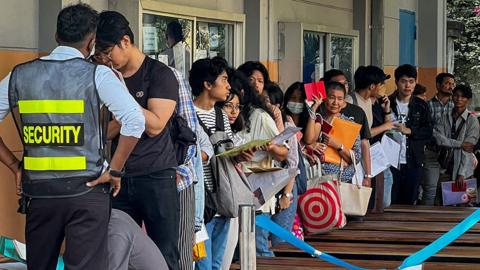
point(236, 89)
point(303, 117)
point(250, 99)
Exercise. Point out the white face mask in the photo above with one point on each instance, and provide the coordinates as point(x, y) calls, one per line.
point(295, 107)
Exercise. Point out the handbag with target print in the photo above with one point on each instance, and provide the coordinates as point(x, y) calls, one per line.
point(321, 207)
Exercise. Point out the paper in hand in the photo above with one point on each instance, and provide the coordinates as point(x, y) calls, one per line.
point(285, 135)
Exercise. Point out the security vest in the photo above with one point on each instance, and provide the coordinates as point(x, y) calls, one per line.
point(57, 112)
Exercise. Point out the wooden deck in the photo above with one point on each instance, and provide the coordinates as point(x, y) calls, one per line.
point(385, 240)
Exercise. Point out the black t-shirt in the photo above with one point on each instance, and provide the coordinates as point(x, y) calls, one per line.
point(357, 115)
point(152, 154)
point(378, 120)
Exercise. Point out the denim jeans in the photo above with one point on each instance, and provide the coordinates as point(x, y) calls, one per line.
point(387, 187)
point(217, 230)
point(199, 189)
point(285, 218)
point(261, 240)
point(154, 199)
point(430, 177)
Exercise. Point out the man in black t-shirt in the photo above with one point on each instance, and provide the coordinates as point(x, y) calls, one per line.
point(149, 191)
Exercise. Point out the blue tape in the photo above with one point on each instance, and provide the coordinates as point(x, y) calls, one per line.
point(445, 240)
point(266, 224)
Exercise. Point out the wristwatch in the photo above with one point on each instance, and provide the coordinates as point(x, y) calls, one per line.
point(368, 176)
point(288, 195)
point(340, 148)
point(115, 173)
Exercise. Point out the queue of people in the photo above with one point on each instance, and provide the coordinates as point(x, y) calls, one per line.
point(161, 121)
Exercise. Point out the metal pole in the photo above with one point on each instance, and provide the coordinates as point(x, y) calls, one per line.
point(247, 237)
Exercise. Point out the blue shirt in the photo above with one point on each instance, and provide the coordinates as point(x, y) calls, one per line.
point(110, 89)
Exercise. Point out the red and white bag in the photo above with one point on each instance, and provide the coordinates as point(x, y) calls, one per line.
point(321, 207)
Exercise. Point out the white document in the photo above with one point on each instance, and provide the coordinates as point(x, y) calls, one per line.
point(201, 235)
point(379, 161)
point(21, 249)
point(285, 135)
point(265, 185)
point(392, 151)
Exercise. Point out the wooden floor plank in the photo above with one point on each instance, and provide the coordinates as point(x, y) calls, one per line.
point(389, 237)
point(418, 217)
point(428, 209)
point(314, 264)
point(405, 226)
point(374, 250)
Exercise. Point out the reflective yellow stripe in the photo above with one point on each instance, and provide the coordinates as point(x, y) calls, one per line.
point(54, 163)
point(51, 106)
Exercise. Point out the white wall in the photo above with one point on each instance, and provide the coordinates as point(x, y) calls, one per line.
point(19, 24)
point(392, 29)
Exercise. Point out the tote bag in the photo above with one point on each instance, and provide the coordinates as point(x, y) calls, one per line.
point(354, 196)
point(320, 207)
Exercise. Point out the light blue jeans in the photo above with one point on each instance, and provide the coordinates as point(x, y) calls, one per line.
point(261, 240)
point(285, 218)
point(387, 187)
point(199, 189)
point(217, 230)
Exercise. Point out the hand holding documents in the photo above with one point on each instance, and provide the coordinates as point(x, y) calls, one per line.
point(279, 139)
point(345, 132)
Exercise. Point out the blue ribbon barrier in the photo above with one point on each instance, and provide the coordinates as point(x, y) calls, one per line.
point(266, 224)
point(445, 240)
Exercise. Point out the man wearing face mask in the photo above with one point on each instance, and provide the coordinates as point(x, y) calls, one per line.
point(55, 101)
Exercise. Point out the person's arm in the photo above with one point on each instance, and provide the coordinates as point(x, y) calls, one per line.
point(367, 163)
point(442, 136)
point(313, 128)
point(285, 201)
point(332, 142)
point(374, 131)
point(6, 156)
point(206, 147)
point(127, 111)
point(157, 114)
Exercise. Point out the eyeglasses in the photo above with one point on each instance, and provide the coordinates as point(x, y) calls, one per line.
point(229, 107)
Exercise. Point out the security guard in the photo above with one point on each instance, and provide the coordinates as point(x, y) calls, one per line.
point(55, 102)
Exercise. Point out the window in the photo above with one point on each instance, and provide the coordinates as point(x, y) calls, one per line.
point(154, 35)
point(323, 51)
point(214, 39)
point(341, 55)
point(313, 56)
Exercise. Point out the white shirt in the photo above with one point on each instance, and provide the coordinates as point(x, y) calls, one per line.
point(402, 109)
point(110, 89)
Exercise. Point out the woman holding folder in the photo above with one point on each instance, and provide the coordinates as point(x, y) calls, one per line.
point(327, 143)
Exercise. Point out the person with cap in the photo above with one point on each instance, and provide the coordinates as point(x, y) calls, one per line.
point(55, 102)
point(412, 120)
point(150, 182)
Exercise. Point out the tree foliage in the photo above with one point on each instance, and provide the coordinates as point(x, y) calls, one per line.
point(467, 47)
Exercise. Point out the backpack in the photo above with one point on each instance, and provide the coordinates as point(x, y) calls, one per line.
point(231, 187)
point(181, 134)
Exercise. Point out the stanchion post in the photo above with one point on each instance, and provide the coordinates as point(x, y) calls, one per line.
point(247, 237)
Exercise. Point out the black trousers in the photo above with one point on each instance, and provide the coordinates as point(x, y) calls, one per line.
point(154, 200)
point(405, 184)
point(82, 221)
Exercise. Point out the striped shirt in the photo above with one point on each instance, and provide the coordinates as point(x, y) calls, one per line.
point(209, 119)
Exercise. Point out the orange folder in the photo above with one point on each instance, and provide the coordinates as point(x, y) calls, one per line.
point(344, 132)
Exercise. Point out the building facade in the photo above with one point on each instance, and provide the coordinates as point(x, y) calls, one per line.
point(296, 39)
